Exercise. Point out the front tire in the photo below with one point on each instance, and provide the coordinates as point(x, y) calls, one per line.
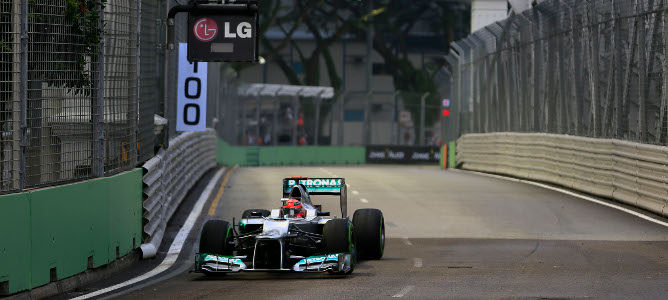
point(337, 237)
point(216, 237)
point(369, 225)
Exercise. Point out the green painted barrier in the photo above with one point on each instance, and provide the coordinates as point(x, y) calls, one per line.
point(230, 155)
point(447, 160)
point(54, 233)
point(289, 155)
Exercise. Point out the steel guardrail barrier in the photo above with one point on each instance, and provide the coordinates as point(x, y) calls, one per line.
point(168, 177)
point(632, 173)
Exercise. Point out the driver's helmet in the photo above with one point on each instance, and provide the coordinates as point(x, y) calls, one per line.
point(293, 209)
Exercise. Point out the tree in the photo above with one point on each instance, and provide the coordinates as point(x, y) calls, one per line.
point(394, 26)
point(321, 18)
point(393, 21)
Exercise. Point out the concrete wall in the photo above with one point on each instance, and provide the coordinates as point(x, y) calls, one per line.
point(632, 173)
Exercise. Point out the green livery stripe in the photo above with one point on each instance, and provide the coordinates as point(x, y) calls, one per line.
point(227, 235)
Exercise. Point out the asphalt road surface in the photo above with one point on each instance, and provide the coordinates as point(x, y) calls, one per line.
point(452, 234)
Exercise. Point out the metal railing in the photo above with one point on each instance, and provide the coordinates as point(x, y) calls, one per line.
point(167, 178)
point(595, 68)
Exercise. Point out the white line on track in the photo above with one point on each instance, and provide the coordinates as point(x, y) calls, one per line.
point(417, 262)
point(174, 249)
point(404, 291)
point(567, 192)
point(356, 193)
point(364, 200)
point(407, 241)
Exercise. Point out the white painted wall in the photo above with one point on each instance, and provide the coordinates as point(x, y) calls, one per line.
point(485, 12)
point(519, 6)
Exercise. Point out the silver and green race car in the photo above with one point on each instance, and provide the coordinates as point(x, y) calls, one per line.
point(298, 237)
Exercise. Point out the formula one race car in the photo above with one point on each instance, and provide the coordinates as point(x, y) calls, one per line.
point(297, 237)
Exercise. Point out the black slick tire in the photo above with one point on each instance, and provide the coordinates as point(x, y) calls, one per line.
point(369, 226)
point(215, 238)
point(336, 236)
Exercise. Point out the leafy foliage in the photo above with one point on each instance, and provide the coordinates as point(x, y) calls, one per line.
point(393, 21)
point(65, 44)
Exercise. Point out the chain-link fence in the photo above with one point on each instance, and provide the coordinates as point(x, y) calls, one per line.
point(79, 88)
point(591, 68)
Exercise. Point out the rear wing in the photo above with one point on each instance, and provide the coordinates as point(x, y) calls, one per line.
point(315, 186)
point(320, 186)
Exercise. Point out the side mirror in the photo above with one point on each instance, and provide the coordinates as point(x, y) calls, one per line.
point(323, 214)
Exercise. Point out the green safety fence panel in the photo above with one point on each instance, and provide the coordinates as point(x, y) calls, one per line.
point(54, 233)
point(452, 162)
point(231, 155)
point(290, 155)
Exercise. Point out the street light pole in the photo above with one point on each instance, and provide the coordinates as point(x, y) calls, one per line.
point(317, 117)
point(422, 104)
point(369, 73)
point(395, 120)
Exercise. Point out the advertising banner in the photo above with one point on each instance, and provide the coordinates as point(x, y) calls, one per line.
point(380, 154)
point(191, 97)
point(223, 36)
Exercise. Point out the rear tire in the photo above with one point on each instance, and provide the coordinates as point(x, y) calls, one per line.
point(247, 213)
point(216, 237)
point(369, 226)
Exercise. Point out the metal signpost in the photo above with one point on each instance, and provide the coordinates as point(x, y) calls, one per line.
point(216, 33)
point(219, 32)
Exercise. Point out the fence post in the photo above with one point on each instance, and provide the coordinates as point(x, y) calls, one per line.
point(342, 112)
point(395, 120)
point(258, 103)
point(274, 127)
point(295, 108)
point(366, 134)
point(663, 109)
point(562, 107)
point(133, 116)
point(167, 56)
point(23, 92)
point(619, 73)
point(537, 64)
point(97, 118)
point(642, 78)
point(473, 83)
point(244, 121)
